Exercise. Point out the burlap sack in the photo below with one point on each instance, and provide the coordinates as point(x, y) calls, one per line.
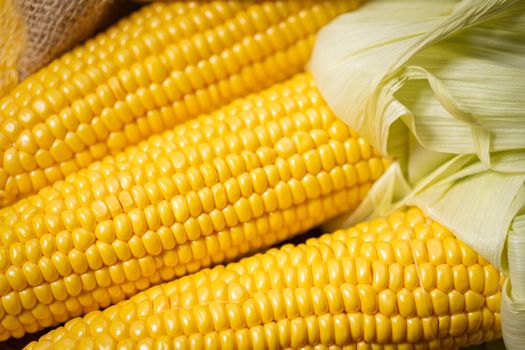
point(54, 26)
point(33, 32)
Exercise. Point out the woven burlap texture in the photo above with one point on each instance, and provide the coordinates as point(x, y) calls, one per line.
point(54, 26)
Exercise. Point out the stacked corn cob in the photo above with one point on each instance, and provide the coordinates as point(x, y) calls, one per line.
point(400, 282)
point(244, 177)
point(247, 176)
point(160, 66)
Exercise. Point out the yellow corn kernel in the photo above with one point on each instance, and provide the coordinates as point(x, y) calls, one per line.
point(144, 75)
point(203, 193)
point(318, 303)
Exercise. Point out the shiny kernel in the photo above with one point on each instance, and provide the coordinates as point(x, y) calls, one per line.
point(445, 278)
point(82, 238)
point(367, 298)
point(456, 302)
point(285, 148)
point(476, 278)
point(387, 303)
point(405, 303)
point(15, 277)
point(312, 161)
point(473, 301)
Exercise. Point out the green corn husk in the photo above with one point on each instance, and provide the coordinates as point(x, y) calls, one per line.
point(440, 87)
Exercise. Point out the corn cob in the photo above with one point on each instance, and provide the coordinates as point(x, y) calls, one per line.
point(245, 177)
point(399, 282)
point(148, 73)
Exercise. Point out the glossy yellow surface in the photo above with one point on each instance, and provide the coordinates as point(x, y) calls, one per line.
point(399, 282)
point(164, 64)
point(247, 176)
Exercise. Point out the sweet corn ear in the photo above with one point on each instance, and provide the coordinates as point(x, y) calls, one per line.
point(242, 178)
point(164, 64)
point(399, 282)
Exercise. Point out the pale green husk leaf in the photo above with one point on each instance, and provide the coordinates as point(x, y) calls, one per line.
point(439, 86)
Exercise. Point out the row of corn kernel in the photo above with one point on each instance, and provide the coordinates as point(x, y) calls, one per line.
point(320, 292)
point(279, 130)
point(50, 303)
point(73, 154)
point(285, 334)
point(191, 204)
point(47, 140)
point(99, 55)
point(147, 32)
point(197, 214)
point(87, 236)
point(172, 141)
